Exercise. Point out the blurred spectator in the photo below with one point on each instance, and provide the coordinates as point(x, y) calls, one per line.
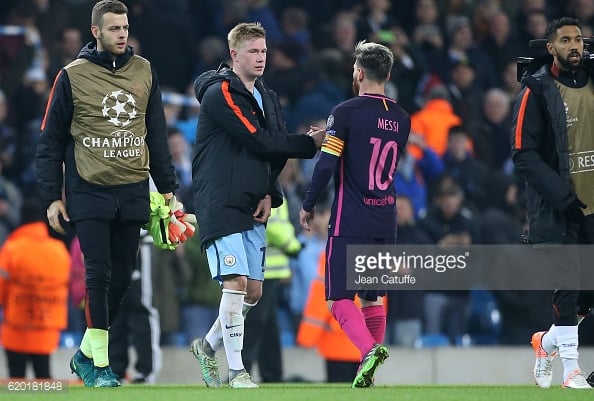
point(262, 343)
point(200, 294)
point(455, 9)
point(509, 80)
point(448, 223)
point(434, 121)
point(80, 7)
point(50, 17)
point(33, 293)
point(11, 200)
point(304, 265)
point(471, 174)
point(172, 105)
point(296, 35)
point(502, 210)
point(260, 10)
point(427, 12)
point(534, 28)
point(180, 157)
point(18, 47)
point(283, 73)
point(466, 95)
point(482, 14)
point(414, 175)
point(68, 44)
point(212, 51)
point(168, 269)
point(375, 18)
point(188, 119)
point(499, 44)
point(526, 7)
point(292, 183)
point(77, 288)
point(332, 63)
point(341, 35)
point(405, 308)
point(8, 134)
point(136, 324)
point(582, 10)
point(492, 137)
point(319, 329)
point(462, 47)
point(28, 104)
point(308, 165)
point(409, 67)
point(170, 47)
point(319, 95)
point(428, 34)
point(231, 12)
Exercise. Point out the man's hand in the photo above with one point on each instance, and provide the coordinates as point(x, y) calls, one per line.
point(55, 209)
point(318, 135)
point(262, 212)
point(305, 218)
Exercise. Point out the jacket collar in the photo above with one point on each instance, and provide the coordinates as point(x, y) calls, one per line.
point(105, 58)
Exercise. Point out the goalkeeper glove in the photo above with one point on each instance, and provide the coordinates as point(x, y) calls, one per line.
point(168, 224)
point(181, 223)
point(158, 224)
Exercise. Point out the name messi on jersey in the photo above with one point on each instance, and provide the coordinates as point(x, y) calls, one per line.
point(387, 125)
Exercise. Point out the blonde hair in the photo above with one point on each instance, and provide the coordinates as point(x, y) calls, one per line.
point(244, 32)
point(375, 59)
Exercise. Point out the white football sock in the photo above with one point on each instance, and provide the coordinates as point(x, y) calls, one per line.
point(549, 340)
point(232, 326)
point(214, 337)
point(567, 341)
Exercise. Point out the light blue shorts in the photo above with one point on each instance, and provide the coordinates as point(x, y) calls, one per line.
point(241, 253)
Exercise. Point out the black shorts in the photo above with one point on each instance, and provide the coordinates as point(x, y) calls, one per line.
point(336, 268)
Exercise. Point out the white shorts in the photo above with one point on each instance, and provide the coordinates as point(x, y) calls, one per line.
point(240, 253)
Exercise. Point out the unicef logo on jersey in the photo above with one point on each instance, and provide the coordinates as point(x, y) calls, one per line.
point(387, 200)
point(119, 107)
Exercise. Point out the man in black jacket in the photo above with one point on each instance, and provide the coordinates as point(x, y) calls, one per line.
point(105, 123)
point(241, 146)
point(553, 121)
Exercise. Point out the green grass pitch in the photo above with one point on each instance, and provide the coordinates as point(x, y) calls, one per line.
point(294, 392)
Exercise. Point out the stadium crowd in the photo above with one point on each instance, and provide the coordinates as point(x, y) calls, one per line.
point(455, 74)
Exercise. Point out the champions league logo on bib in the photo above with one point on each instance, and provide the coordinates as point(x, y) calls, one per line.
point(119, 108)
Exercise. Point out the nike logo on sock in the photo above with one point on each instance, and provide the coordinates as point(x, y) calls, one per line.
point(230, 327)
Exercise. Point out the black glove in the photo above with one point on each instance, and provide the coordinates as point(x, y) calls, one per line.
point(573, 212)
